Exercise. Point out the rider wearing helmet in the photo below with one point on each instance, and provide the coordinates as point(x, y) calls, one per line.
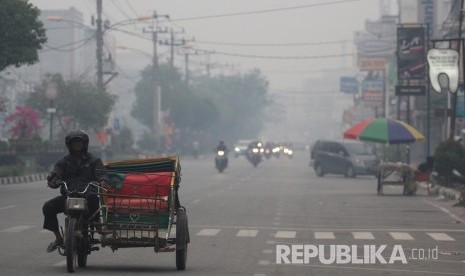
point(222, 146)
point(78, 164)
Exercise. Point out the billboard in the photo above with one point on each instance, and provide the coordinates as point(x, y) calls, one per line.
point(411, 65)
point(348, 85)
point(373, 93)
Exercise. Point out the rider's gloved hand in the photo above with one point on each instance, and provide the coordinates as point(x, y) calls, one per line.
point(53, 184)
point(104, 184)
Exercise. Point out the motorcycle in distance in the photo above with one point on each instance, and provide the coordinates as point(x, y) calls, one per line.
point(268, 150)
point(254, 154)
point(79, 228)
point(221, 160)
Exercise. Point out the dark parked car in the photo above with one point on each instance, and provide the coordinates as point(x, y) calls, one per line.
point(350, 158)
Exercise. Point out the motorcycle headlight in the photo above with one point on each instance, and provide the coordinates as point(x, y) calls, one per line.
point(78, 204)
point(262, 150)
point(237, 149)
point(289, 152)
point(255, 150)
point(220, 153)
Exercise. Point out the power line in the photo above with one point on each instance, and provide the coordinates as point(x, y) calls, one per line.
point(266, 11)
point(275, 44)
point(131, 8)
point(118, 7)
point(274, 57)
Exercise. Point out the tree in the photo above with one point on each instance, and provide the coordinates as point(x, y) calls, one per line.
point(79, 104)
point(24, 123)
point(21, 33)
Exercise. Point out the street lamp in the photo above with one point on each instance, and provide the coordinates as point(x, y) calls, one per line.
point(51, 93)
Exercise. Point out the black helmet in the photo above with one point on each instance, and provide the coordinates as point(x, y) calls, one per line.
point(77, 134)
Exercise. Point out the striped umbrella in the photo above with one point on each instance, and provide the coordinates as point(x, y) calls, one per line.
point(383, 130)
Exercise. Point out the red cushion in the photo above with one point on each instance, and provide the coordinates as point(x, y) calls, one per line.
point(422, 176)
point(135, 205)
point(147, 184)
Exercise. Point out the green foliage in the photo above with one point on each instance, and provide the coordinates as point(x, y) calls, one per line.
point(21, 33)
point(225, 106)
point(448, 156)
point(147, 142)
point(79, 104)
point(11, 170)
point(123, 141)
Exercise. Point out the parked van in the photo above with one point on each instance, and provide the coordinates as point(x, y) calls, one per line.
point(346, 157)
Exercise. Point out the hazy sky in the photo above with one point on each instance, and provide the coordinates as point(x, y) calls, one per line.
point(315, 21)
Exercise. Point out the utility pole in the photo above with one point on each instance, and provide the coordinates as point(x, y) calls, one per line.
point(174, 43)
point(99, 53)
point(155, 68)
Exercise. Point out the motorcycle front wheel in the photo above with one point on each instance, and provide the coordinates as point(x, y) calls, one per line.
point(71, 245)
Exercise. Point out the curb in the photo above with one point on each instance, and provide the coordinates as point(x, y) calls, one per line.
point(23, 179)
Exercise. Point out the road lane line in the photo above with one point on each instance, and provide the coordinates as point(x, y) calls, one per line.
point(16, 229)
point(452, 215)
point(7, 207)
point(270, 242)
point(208, 232)
point(329, 229)
point(324, 236)
point(195, 201)
point(441, 236)
point(264, 262)
point(247, 233)
point(404, 236)
point(285, 234)
point(267, 251)
point(363, 235)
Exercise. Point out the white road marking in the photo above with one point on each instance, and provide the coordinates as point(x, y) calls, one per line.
point(278, 214)
point(45, 231)
point(285, 234)
point(276, 223)
point(247, 233)
point(16, 229)
point(267, 251)
point(270, 242)
point(446, 211)
point(441, 236)
point(208, 232)
point(277, 218)
point(259, 274)
point(363, 235)
point(324, 235)
point(264, 262)
point(401, 236)
point(196, 200)
point(7, 207)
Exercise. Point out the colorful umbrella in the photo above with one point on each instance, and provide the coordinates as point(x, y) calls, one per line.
point(382, 130)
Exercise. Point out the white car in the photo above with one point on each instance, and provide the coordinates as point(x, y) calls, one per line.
point(240, 148)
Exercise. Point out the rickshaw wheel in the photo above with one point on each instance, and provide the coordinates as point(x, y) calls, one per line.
point(182, 239)
point(71, 245)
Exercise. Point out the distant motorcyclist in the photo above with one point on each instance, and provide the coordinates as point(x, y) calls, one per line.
point(222, 147)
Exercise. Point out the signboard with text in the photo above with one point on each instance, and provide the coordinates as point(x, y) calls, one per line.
point(411, 65)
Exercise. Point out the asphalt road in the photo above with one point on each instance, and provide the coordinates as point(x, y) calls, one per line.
point(241, 221)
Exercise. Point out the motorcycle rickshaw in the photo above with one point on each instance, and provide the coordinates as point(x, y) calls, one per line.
point(139, 210)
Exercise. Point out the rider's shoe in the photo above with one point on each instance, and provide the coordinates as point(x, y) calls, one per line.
point(54, 245)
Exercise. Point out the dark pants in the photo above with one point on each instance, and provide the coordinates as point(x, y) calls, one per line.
point(57, 205)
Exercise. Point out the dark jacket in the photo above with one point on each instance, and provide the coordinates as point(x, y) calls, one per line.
point(90, 169)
